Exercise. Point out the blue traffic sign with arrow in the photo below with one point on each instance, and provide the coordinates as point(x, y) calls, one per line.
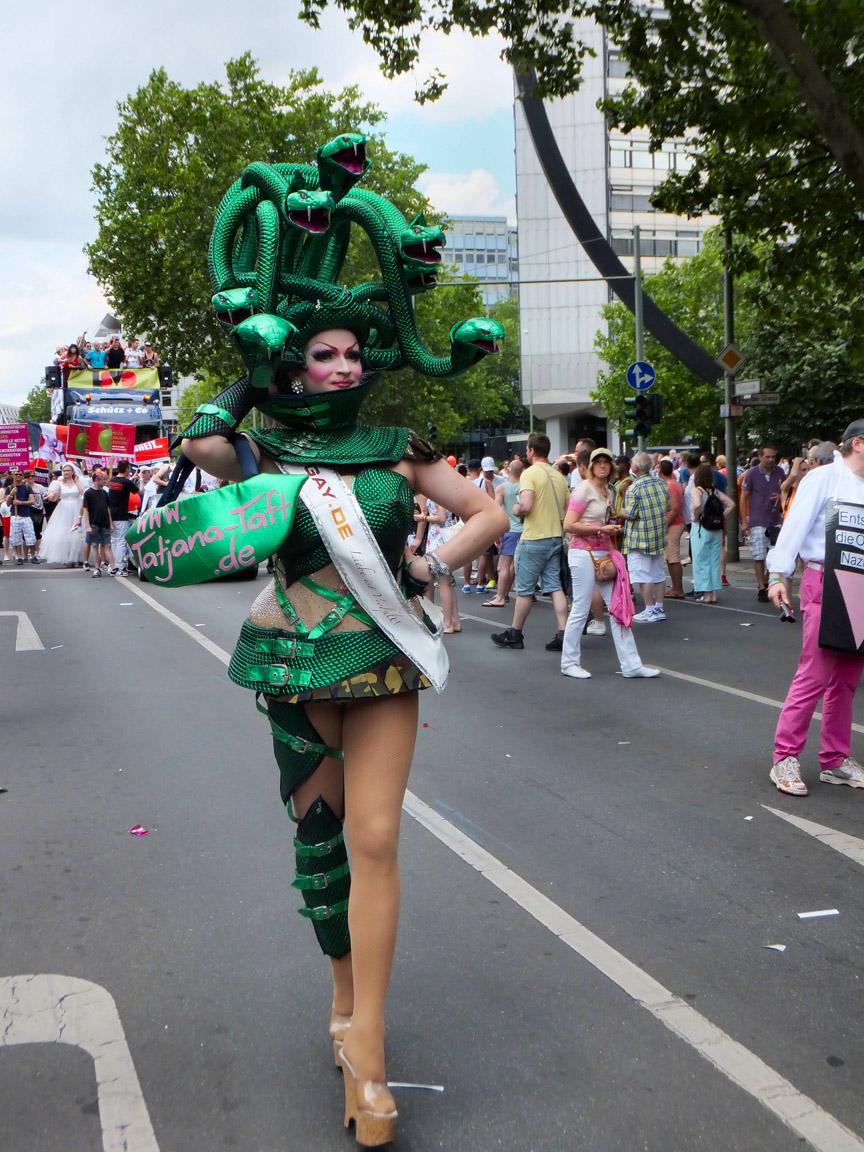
point(641, 375)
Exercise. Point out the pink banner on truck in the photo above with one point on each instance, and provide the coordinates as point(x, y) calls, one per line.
point(14, 446)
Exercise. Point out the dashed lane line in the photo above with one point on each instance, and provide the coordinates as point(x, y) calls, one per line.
point(690, 679)
point(733, 1060)
point(850, 846)
point(51, 1009)
point(804, 1116)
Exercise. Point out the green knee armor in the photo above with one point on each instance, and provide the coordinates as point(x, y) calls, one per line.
point(322, 861)
point(323, 877)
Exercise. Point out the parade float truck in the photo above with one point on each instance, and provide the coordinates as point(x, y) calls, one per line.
point(125, 397)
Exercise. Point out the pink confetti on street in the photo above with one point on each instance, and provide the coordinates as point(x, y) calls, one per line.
point(139, 831)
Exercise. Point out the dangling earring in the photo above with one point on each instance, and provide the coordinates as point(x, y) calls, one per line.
point(297, 387)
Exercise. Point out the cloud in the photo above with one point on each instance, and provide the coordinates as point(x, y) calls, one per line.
point(479, 82)
point(49, 302)
point(475, 193)
point(56, 116)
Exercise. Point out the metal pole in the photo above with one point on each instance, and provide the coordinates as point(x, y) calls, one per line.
point(637, 307)
point(728, 398)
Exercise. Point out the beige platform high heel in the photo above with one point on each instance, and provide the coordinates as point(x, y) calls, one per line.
point(339, 1025)
point(371, 1129)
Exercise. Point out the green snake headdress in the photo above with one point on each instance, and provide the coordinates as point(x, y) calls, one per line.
point(276, 252)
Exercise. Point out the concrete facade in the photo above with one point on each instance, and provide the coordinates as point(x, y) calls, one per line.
point(560, 292)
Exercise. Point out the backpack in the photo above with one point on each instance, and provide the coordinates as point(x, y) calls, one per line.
point(711, 516)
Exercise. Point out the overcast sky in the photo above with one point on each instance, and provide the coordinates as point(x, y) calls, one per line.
point(69, 62)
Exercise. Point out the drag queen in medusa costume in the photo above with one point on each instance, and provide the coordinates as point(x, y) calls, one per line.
point(338, 644)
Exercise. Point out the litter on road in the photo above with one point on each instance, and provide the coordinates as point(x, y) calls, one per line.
point(55, 647)
point(425, 1087)
point(821, 912)
point(748, 625)
point(748, 817)
point(776, 947)
point(137, 830)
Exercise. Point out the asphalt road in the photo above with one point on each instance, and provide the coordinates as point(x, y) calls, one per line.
point(592, 871)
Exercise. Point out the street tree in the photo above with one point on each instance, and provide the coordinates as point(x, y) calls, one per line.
point(769, 94)
point(172, 157)
point(37, 406)
point(691, 293)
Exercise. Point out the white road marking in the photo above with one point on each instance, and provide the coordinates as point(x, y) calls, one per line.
point(742, 1067)
point(850, 846)
point(49, 1009)
point(26, 638)
point(212, 648)
point(727, 688)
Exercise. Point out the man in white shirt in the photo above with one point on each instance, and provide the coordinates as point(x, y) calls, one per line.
point(134, 355)
point(822, 672)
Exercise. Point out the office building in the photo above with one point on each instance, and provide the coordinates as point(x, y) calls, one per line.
point(560, 291)
point(484, 247)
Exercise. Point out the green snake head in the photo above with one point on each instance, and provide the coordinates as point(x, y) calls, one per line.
point(234, 305)
point(342, 162)
point(261, 339)
point(471, 340)
point(419, 246)
point(309, 210)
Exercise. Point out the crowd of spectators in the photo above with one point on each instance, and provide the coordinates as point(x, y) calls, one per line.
point(111, 353)
point(59, 523)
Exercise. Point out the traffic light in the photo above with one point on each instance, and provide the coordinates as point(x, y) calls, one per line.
point(643, 411)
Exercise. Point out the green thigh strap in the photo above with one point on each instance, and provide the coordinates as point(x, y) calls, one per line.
point(296, 744)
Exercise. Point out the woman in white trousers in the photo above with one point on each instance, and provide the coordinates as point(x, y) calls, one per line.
point(590, 519)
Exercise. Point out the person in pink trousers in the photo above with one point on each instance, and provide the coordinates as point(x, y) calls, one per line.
point(822, 673)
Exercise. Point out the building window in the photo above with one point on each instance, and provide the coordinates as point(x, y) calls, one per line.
point(469, 257)
point(616, 65)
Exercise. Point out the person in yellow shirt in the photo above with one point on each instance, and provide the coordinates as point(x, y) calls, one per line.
point(543, 496)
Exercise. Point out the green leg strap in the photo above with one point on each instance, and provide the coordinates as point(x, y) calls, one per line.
point(323, 877)
point(296, 744)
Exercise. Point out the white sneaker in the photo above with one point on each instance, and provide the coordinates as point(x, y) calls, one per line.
point(576, 672)
point(596, 628)
point(849, 772)
point(643, 673)
point(648, 616)
point(787, 776)
point(659, 612)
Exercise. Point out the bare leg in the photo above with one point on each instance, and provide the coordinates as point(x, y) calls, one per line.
point(520, 612)
point(659, 592)
point(449, 603)
point(647, 591)
point(676, 578)
point(562, 610)
point(761, 579)
point(506, 574)
point(378, 740)
point(466, 575)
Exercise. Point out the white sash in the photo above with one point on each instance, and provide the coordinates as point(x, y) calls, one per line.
point(365, 573)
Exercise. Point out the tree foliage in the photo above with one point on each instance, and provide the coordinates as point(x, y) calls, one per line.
point(691, 292)
point(816, 369)
point(174, 154)
point(769, 93)
point(37, 406)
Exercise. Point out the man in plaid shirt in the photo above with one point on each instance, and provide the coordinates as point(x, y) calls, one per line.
point(644, 514)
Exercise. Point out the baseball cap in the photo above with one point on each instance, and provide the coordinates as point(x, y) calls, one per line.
point(487, 464)
point(602, 452)
point(475, 463)
point(856, 428)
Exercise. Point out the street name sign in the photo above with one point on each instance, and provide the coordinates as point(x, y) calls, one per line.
point(730, 411)
point(747, 387)
point(641, 375)
point(761, 400)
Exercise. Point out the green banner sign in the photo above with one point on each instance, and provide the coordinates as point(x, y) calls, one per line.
point(210, 534)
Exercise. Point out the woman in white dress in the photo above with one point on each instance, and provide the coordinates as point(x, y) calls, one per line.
point(60, 544)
